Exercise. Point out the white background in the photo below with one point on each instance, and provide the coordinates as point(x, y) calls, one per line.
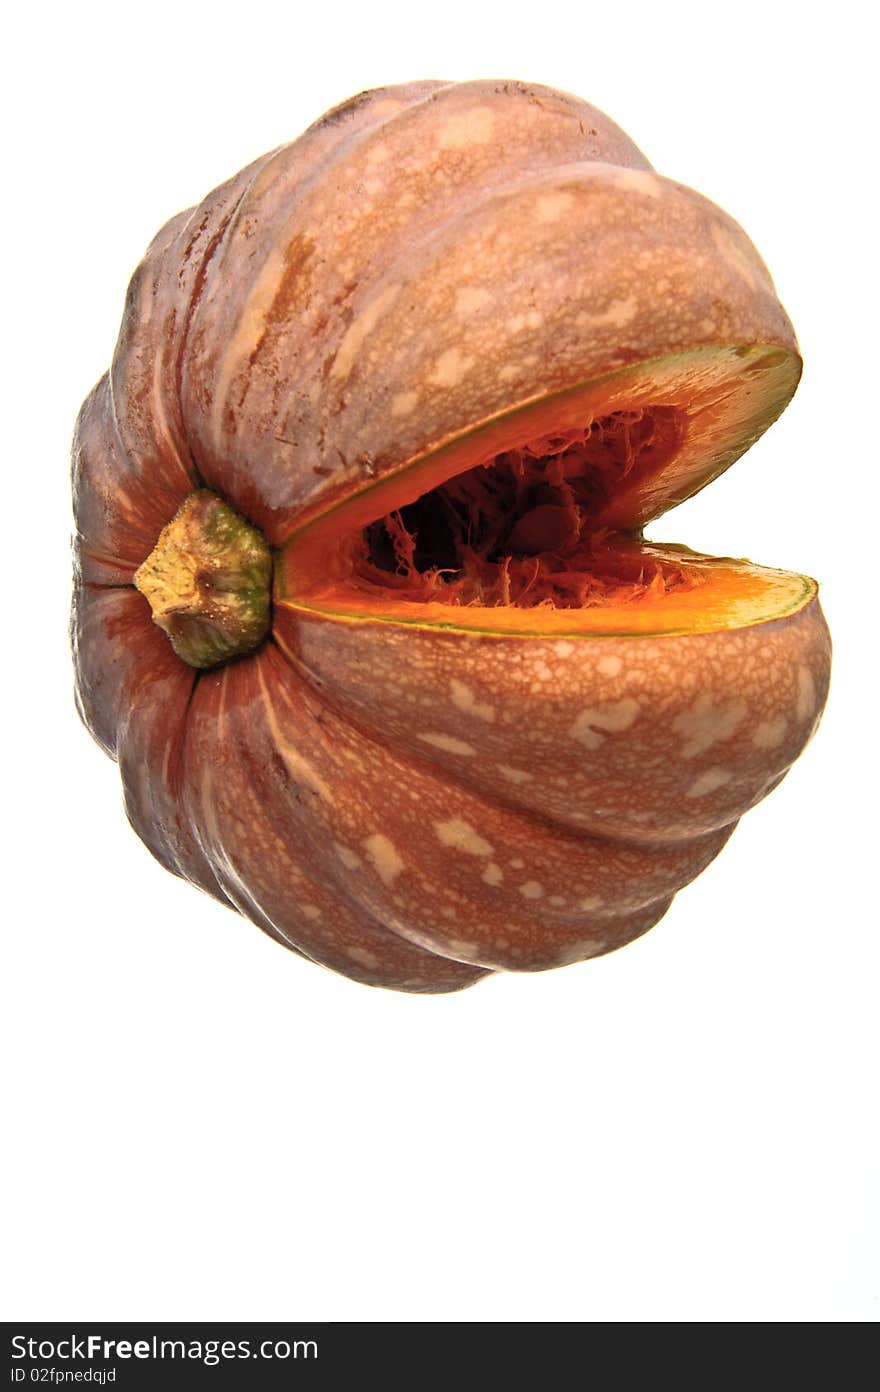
point(203, 1126)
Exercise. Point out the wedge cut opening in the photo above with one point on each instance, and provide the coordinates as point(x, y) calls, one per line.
point(521, 530)
point(531, 523)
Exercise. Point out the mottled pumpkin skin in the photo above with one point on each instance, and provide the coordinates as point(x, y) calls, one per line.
point(413, 807)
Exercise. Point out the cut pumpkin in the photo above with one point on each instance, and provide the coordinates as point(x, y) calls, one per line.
point(435, 365)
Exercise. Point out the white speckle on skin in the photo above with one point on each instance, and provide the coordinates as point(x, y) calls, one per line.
point(242, 338)
point(531, 889)
point(386, 106)
point(806, 693)
point(593, 947)
point(299, 768)
point(591, 904)
point(513, 775)
point(449, 368)
point(493, 874)
point(770, 733)
point(474, 127)
point(563, 648)
point(470, 298)
point(516, 863)
point(350, 859)
point(618, 313)
point(310, 911)
point(464, 698)
point(610, 666)
point(707, 782)
point(462, 947)
point(706, 723)
point(551, 206)
point(613, 716)
point(404, 403)
point(557, 900)
point(359, 329)
point(461, 836)
point(449, 743)
point(530, 320)
point(384, 857)
point(362, 955)
point(638, 181)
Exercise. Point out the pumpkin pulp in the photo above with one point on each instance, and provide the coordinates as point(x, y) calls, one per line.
point(531, 522)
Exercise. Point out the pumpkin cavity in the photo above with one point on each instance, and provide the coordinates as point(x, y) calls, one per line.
point(531, 522)
point(521, 530)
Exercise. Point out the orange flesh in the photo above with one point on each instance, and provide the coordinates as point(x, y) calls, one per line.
point(511, 528)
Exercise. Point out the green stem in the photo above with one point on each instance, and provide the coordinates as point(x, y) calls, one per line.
point(207, 581)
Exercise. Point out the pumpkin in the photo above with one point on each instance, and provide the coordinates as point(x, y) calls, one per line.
point(363, 607)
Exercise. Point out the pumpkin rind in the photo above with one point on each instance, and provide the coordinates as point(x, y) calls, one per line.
point(649, 740)
point(413, 806)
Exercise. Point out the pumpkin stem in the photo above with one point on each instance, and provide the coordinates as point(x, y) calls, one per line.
point(207, 581)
